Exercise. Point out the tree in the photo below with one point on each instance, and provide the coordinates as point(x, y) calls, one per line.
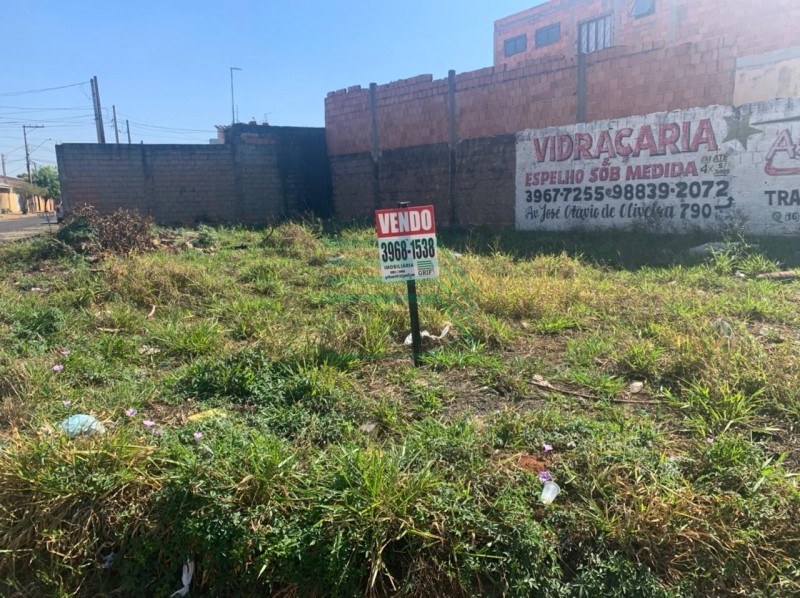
point(47, 178)
point(45, 185)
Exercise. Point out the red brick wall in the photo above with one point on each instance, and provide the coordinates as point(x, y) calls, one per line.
point(755, 26)
point(494, 101)
point(683, 56)
point(347, 121)
point(659, 78)
point(566, 12)
point(542, 93)
point(412, 117)
point(412, 112)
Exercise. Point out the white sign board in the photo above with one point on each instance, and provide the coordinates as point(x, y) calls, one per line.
point(407, 243)
point(702, 168)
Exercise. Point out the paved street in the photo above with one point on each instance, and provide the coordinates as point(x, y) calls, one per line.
point(18, 227)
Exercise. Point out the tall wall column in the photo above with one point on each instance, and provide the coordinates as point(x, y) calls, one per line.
point(452, 141)
point(375, 150)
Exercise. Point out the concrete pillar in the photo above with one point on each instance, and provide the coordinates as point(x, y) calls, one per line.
point(452, 141)
point(375, 151)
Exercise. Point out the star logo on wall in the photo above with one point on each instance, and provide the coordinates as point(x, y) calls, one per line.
point(739, 129)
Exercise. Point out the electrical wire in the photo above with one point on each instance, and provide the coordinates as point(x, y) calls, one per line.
point(28, 91)
point(40, 145)
point(160, 128)
point(44, 108)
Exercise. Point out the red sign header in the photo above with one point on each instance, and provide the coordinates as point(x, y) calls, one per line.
point(404, 222)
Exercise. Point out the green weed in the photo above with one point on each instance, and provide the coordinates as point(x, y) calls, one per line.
point(715, 410)
point(294, 449)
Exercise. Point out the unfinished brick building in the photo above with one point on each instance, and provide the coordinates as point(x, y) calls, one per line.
point(451, 141)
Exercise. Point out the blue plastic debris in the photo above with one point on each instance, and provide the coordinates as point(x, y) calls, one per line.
point(78, 424)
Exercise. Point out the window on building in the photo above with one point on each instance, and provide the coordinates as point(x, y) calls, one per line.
point(642, 8)
point(515, 45)
point(594, 35)
point(548, 35)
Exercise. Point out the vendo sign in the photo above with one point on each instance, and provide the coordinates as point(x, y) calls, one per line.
point(407, 243)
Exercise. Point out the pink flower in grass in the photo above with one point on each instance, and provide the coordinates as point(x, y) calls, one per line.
point(66, 403)
point(197, 436)
point(148, 423)
point(547, 447)
point(131, 412)
point(544, 476)
point(64, 352)
point(158, 431)
point(58, 367)
point(710, 440)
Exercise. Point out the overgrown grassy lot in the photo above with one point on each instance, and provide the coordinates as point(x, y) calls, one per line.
point(263, 418)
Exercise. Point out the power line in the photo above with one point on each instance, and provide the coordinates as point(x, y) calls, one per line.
point(21, 109)
point(173, 129)
point(41, 144)
point(66, 119)
point(20, 93)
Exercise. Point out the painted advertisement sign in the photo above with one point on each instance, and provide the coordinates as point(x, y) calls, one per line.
point(669, 171)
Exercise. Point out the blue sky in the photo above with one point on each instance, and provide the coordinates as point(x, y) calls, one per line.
point(165, 65)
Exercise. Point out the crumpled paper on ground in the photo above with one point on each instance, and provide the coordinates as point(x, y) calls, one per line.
point(426, 334)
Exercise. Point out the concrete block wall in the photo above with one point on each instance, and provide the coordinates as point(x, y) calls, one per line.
point(484, 181)
point(260, 173)
point(353, 178)
point(183, 184)
point(92, 171)
point(411, 175)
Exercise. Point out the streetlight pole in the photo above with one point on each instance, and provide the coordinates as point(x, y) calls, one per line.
point(233, 110)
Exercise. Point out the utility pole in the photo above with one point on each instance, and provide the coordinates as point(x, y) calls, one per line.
point(28, 156)
point(128, 126)
point(3, 160)
point(233, 111)
point(98, 113)
point(116, 128)
point(27, 153)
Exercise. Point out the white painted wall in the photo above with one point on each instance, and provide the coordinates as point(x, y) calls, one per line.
point(669, 171)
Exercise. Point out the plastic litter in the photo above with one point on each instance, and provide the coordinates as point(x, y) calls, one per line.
point(207, 414)
point(426, 334)
point(549, 492)
point(108, 560)
point(80, 423)
point(636, 387)
point(369, 427)
point(722, 328)
point(186, 578)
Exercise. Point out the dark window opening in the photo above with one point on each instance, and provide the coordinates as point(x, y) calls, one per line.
point(594, 35)
point(642, 8)
point(515, 45)
point(548, 35)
